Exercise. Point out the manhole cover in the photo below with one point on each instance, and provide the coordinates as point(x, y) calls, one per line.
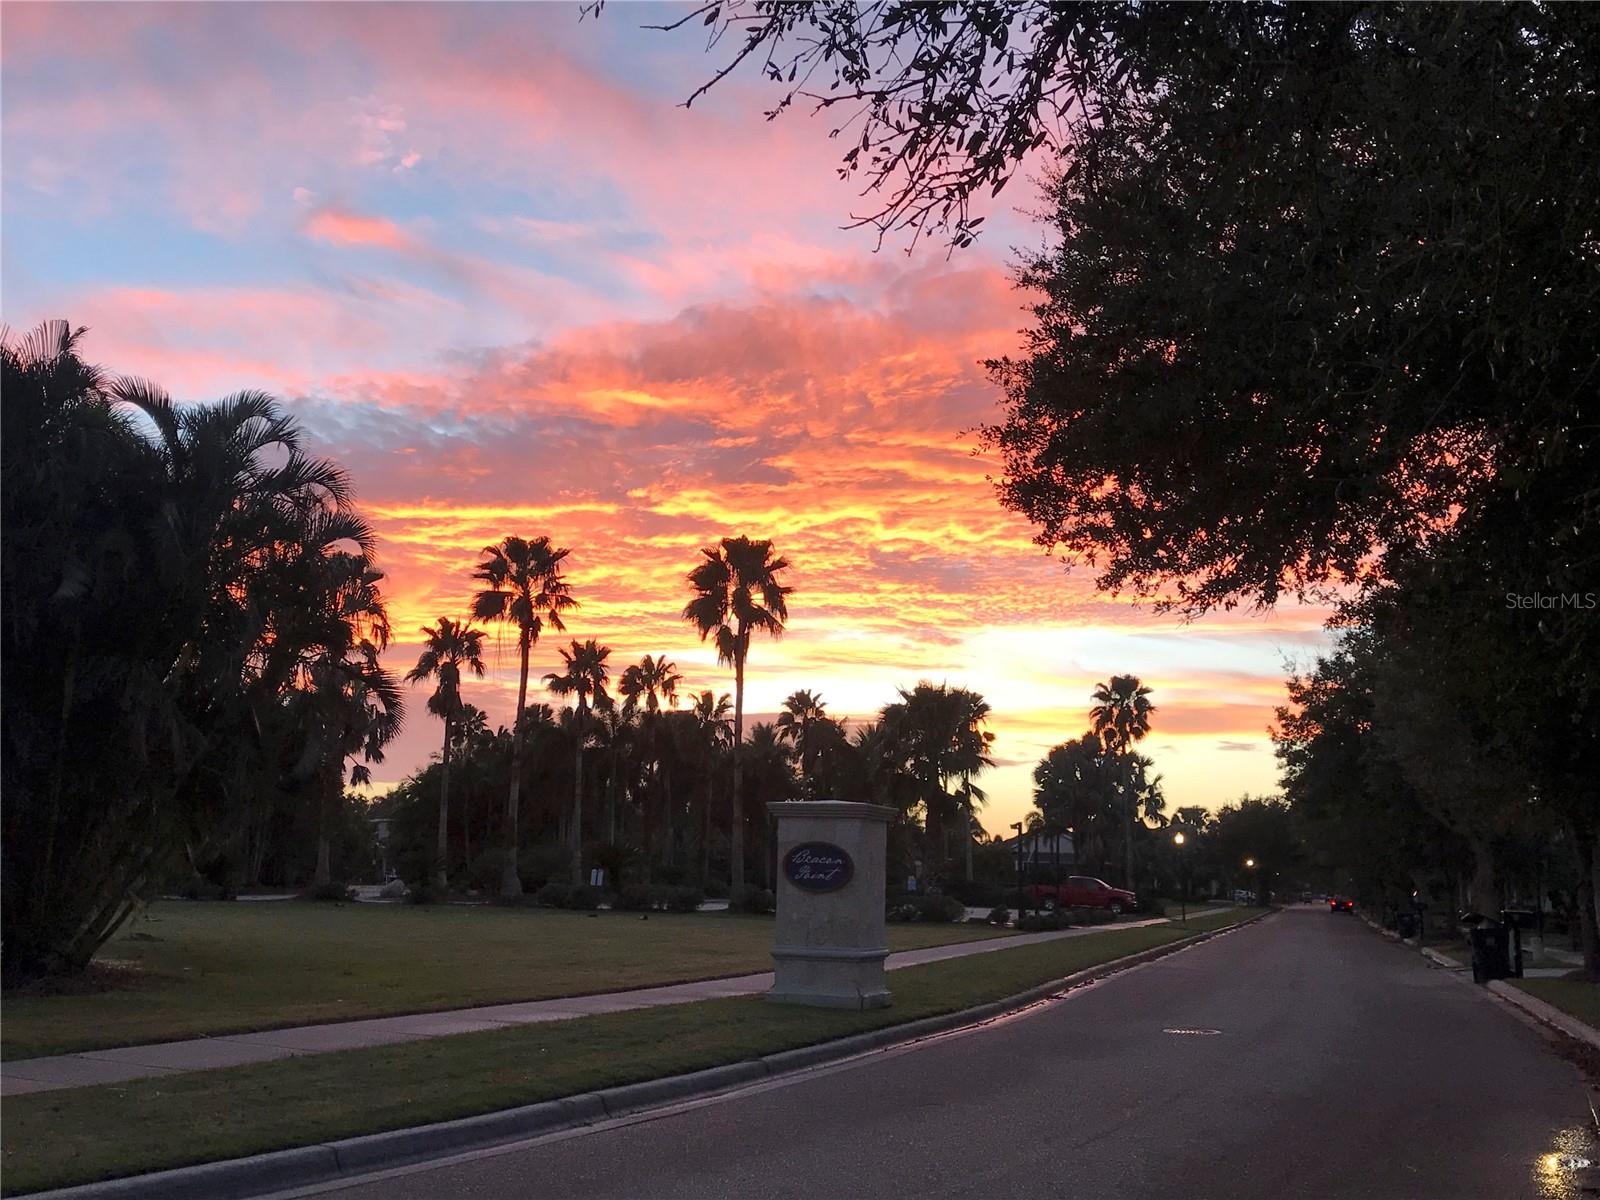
point(1194, 1032)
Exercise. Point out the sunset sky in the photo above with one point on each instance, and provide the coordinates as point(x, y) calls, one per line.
point(498, 271)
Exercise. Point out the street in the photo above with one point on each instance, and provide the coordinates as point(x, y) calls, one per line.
point(1302, 1056)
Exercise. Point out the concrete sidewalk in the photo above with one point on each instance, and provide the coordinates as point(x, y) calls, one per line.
point(114, 1065)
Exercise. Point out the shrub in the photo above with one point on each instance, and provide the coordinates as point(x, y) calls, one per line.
point(1155, 906)
point(975, 894)
point(1090, 916)
point(538, 865)
point(1044, 922)
point(633, 897)
point(897, 913)
point(622, 862)
point(483, 872)
point(940, 909)
point(583, 898)
point(715, 889)
point(758, 900)
point(999, 915)
point(424, 893)
point(683, 899)
point(203, 889)
point(329, 891)
point(554, 895)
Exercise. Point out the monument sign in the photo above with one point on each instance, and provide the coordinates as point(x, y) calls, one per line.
point(830, 942)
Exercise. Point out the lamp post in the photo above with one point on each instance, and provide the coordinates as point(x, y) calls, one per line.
point(1250, 865)
point(1183, 868)
point(1021, 895)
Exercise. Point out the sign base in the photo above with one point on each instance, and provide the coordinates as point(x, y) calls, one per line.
point(825, 977)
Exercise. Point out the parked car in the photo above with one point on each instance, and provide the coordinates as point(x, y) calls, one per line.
point(1242, 896)
point(1083, 891)
point(1341, 904)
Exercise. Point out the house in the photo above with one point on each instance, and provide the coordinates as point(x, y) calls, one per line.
point(1043, 854)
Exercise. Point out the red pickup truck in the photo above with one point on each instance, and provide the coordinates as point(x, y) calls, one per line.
point(1083, 891)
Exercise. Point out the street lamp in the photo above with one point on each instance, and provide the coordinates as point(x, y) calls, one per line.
point(1021, 895)
point(1183, 866)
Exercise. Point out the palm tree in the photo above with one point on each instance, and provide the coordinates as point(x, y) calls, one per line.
point(472, 740)
point(713, 731)
point(736, 593)
point(526, 588)
point(167, 579)
point(616, 730)
point(937, 735)
point(797, 724)
point(1083, 785)
point(652, 684)
point(969, 754)
point(447, 648)
point(585, 678)
point(1120, 717)
point(769, 775)
point(1149, 798)
point(347, 703)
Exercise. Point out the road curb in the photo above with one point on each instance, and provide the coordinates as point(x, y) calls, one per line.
point(1442, 960)
point(1548, 1013)
point(306, 1166)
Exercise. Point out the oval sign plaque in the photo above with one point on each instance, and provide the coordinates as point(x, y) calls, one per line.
point(818, 867)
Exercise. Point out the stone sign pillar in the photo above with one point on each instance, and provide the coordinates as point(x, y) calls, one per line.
point(830, 942)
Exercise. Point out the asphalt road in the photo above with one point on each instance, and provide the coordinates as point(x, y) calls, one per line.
point(1342, 1066)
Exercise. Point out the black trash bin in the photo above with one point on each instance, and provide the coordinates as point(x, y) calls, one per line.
point(1516, 920)
point(1406, 924)
point(1491, 953)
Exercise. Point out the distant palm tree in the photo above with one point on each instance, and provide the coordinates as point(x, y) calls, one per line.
point(970, 755)
point(797, 724)
point(768, 776)
point(346, 702)
point(713, 732)
point(1120, 717)
point(1150, 799)
point(736, 593)
point(585, 678)
point(447, 648)
point(473, 739)
point(651, 684)
point(937, 735)
point(471, 724)
point(527, 589)
point(616, 730)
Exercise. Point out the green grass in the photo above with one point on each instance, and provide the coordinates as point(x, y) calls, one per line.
point(54, 1139)
point(1574, 997)
point(198, 969)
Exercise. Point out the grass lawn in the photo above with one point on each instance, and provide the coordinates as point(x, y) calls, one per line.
point(199, 969)
point(1572, 996)
point(53, 1139)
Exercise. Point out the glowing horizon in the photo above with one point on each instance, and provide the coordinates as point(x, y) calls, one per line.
point(498, 271)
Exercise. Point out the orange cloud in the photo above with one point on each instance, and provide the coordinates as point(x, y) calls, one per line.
point(340, 227)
